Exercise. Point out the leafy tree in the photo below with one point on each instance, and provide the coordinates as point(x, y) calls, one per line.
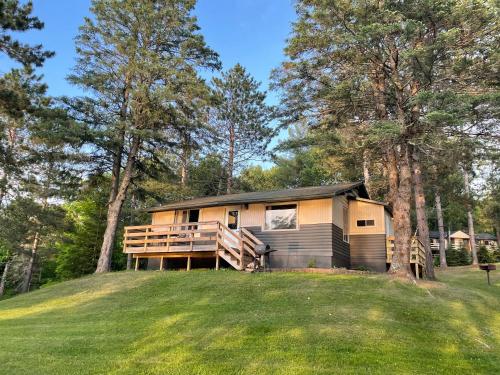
point(242, 120)
point(137, 66)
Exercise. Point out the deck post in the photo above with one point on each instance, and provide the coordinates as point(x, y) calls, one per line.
point(137, 263)
point(416, 271)
point(161, 264)
point(188, 268)
point(217, 261)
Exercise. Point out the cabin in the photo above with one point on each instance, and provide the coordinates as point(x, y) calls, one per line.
point(487, 240)
point(323, 227)
point(461, 240)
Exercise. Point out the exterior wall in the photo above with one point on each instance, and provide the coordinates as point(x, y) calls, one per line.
point(297, 248)
point(389, 227)
point(164, 217)
point(253, 216)
point(341, 249)
point(316, 211)
point(368, 251)
point(213, 214)
point(359, 210)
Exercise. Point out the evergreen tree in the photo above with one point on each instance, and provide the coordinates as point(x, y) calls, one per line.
point(136, 58)
point(242, 120)
point(369, 67)
point(16, 17)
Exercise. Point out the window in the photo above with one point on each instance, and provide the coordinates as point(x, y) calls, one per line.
point(232, 219)
point(365, 223)
point(345, 228)
point(281, 217)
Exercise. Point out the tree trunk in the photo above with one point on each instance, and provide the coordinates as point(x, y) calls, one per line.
point(184, 166)
point(114, 211)
point(470, 220)
point(400, 265)
point(422, 223)
point(230, 160)
point(442, 246)
point(29, 272)
point(129, 262)
point(3, 280)
point(366, 171)
point(497, 230)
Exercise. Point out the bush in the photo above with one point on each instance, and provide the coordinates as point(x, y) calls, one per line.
point(311, 263)
point(457, 257)
point(484, 255)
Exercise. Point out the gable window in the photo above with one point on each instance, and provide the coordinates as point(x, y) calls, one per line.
point(365, 223)
point(281, 217)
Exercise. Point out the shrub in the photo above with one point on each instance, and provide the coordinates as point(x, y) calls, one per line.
point(312, 263)
point(484, 255)
point(457, 257)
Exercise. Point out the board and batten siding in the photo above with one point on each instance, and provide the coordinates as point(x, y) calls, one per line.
point(359, 210)
point(368, 251)
point(163, 217)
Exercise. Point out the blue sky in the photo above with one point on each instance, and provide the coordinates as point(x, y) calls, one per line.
point(251, 32)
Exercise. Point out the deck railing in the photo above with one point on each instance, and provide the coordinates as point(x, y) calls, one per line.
point(209, 236)
point(417, 252)
point(170, 238)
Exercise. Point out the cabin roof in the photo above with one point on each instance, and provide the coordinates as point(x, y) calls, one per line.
point(459, 234)
point(485, 236)
point(314, 192)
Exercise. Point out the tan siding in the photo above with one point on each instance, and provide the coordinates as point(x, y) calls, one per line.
point(253, 216)
point(164, 217)
point(338, 210)
point(359, 210)
point(213, 214)
point(316, 211)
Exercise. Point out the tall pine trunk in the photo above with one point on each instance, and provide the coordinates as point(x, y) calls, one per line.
point(422, 223)
point(3, 280)
point(114, 210)
point(400, 186)
point(29, 272)
point(442, 245)
point(366, 170)
point(230, 159)
point(470, 220)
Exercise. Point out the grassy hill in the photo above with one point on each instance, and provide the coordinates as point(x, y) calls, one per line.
point(207, 322)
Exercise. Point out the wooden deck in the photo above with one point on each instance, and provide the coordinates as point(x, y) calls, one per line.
point(210, 239)
point(417, 253)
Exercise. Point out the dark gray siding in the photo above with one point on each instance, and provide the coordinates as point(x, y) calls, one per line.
point(341, 249)
point(368, 250)
point(312, 243)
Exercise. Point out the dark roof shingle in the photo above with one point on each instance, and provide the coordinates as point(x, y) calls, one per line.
point(314, 192)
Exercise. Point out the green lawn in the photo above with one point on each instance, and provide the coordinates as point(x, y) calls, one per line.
point(208, 322)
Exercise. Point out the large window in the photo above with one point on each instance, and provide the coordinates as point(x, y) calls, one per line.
point(281, 217)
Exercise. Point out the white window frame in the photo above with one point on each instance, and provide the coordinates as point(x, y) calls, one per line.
point(297, 226)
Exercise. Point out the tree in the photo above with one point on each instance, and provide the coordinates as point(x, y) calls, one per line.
point(241, 118)
point(136, 58)
point(15, 17)
point(368, 68)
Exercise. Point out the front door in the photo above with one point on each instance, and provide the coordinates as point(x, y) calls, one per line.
point(233, 219)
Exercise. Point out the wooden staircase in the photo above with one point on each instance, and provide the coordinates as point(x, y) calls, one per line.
point(237, 248)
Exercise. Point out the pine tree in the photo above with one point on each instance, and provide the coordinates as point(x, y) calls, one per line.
point(242, 120)
point(135, 57)
point(369, 68)
point(16, 17)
